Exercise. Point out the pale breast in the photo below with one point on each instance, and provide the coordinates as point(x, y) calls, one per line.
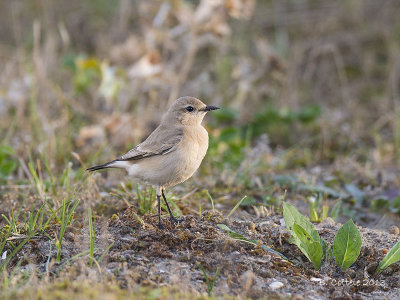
point(196, 144)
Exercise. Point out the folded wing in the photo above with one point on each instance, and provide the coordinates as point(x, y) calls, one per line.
point(163, 140)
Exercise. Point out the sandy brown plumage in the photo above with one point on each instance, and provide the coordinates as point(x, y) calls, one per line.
point(172, 152)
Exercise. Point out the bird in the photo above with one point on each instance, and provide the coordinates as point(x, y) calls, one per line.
point(171, 154)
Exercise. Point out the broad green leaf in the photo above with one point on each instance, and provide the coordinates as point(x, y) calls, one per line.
point(391, 257)
point(304, 235)
point(241, 237)
point(311, 248)
point(347, 245)
point(291, 216)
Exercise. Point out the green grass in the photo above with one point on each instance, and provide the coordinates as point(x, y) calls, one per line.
point(64, 216)
point(91, 236)
point(210, 280)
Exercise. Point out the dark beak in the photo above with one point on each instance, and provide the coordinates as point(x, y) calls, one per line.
point(208, 108)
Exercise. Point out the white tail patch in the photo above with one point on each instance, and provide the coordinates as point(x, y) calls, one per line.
point(120, 165)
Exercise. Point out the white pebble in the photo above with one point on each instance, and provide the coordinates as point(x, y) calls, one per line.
point(275, 285)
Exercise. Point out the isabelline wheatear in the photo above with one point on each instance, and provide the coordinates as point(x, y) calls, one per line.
point(172, 152)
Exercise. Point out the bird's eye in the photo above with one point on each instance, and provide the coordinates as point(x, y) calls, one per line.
point(190, 108)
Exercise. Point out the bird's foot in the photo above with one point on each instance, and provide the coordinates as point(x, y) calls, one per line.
point(176, 221)
point(160, 226)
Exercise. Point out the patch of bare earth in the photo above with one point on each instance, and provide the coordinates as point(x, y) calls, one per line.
point(144, 255)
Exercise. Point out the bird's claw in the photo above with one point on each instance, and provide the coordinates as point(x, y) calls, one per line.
point(160, 226)
point(176, 221)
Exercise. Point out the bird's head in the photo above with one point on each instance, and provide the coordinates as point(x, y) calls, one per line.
point(188, 110)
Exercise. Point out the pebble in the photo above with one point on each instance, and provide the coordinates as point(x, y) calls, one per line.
point(394, 230)
point(275, 285)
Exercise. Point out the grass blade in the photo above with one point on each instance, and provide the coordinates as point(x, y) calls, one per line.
point(91, 237)
point(211, 199)
point(236, 206)
point(390, 258)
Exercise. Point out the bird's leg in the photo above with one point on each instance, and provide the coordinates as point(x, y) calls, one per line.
point(171, 216)
point(160, 225)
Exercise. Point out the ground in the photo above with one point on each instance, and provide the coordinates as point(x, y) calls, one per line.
point(143, 255)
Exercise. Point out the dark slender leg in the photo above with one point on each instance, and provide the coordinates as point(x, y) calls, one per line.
point(160, 225)
point(171, 216)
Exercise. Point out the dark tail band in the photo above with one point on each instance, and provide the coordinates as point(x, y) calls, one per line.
point(99, 167)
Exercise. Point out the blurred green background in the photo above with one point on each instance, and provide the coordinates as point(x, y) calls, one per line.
point(301, 83)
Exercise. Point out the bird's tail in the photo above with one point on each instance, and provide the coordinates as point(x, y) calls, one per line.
point(100, 167)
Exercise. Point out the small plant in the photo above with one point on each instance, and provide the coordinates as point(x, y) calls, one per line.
point(390, 258)
point(35, 222)
point(146, 198)
point(304, 235)
point(12, 221)
point(210, 281)
point(347, 245)
point(319, 211)
point(66, 214)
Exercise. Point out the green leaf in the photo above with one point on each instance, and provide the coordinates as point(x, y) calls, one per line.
point(304, 235)
point(241, 237)
point(314, 215)
point(325, 210)
point(292, 216)
point(311, 248)
point(335, 212)
point(347, 245)
point(391, 257)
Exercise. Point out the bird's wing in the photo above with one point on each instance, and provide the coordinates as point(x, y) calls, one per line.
point(163, 140)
